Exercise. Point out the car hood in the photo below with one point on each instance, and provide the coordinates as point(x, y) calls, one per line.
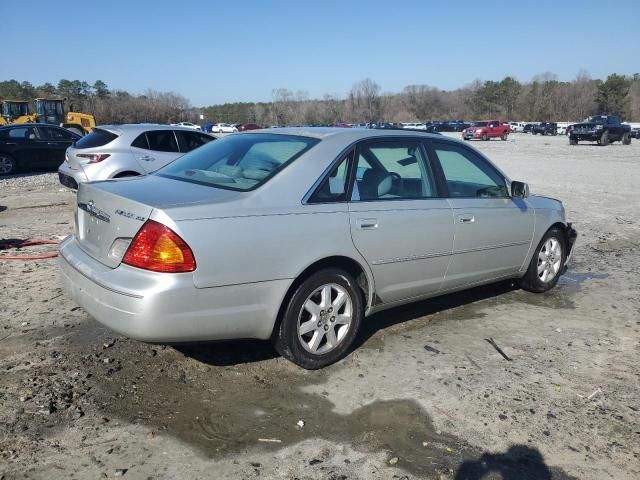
point(586, 125)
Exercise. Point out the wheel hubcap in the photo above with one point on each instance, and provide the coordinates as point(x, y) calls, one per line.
point(325, 319)
point(6, 165)
point(549, 260)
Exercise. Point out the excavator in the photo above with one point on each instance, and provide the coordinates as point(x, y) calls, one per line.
point(46, 110)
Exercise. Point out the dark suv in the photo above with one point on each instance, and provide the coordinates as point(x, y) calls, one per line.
point(603, 129)
point(545, 128)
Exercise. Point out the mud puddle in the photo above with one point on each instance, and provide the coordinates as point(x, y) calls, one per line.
point(258, 405)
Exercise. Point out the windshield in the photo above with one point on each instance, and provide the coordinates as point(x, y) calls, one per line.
point(598, 119)
point(479, 124)
point(238, 162)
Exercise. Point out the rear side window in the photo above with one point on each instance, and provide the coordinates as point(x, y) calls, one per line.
point(97, 138)
point(141, 142)
point(238, 162)
point(162, 141)
point(191, 140)
point(55, 133)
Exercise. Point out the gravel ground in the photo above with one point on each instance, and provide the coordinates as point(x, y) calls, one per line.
point(422, 396)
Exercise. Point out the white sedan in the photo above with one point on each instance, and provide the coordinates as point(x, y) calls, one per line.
point(223, 128)
point(188, 125)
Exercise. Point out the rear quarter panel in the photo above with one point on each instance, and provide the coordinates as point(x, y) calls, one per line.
point(268, 246)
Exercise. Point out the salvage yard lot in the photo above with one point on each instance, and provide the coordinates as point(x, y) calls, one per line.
point(423, 395)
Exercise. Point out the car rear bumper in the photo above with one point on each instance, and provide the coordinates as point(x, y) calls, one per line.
point(165, 307)
point(69, 177)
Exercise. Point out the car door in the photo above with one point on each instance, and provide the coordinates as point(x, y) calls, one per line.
point(55, 142)
point(493, 231)
point(399, 221)
point(22, 143)
point(154, 149)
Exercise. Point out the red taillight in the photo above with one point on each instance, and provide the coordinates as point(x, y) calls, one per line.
point(94, 157)
point(158, 248)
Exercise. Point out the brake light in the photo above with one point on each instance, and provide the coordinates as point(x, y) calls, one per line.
point(158, 248)
point(94, 157)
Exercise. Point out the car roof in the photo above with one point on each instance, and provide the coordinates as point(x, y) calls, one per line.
point(21, 125)
point(141, 127)
point(347, 134)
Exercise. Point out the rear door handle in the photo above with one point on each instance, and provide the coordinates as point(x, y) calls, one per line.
point(368, 223)
point(466, 218)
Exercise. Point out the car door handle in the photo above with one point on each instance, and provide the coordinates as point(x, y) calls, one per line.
point(368, 223)
point(147, 158)
point(466, 218)
point(10, 143)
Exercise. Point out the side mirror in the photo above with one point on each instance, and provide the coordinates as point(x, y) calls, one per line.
point(519, 189)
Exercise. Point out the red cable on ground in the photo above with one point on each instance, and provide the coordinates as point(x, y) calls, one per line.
point(27, 243)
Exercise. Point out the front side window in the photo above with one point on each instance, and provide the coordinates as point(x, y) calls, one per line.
point(467, 174)
point(393, 170)
point(162, 141)
point(238, 162)
point(27, 133)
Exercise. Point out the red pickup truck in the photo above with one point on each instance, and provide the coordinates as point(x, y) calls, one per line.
point(486, 130)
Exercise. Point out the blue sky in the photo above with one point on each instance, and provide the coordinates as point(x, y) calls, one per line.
point(224, 51)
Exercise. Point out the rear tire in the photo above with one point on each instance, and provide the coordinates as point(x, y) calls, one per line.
point(573, 141)
point(626, 139)
point(310, 332)
point(547, 263)
point(8, 165)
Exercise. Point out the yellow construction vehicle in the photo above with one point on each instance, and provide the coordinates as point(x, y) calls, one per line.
point(16, 111)
point(51, 110)
point(46, 110)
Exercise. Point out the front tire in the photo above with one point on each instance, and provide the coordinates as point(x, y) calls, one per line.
point(321, 320)
point(8, 164)
point(485, 137)
point(503, 137)
point(573, 141)
point(604, 139)
point(626, 139)
point(547, 263)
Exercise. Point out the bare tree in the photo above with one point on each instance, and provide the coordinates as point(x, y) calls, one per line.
point(365, 102)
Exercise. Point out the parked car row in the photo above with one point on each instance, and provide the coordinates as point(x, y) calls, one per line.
point(245, 237)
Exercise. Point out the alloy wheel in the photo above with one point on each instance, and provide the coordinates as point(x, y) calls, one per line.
point(549, 260)
point(6, 165)
point(325, 319)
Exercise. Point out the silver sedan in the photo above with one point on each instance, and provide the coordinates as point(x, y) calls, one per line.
point(297, 235)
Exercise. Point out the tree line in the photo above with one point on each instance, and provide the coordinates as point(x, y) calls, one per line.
point(544, 98)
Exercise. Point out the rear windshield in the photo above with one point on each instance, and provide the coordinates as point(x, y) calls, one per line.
point(97, 138)
point(238, 162)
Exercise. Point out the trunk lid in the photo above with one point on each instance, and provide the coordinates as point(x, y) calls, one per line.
point(116, 209)
point(102, 217)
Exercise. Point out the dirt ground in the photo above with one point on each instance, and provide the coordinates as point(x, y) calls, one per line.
point(423, 395)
